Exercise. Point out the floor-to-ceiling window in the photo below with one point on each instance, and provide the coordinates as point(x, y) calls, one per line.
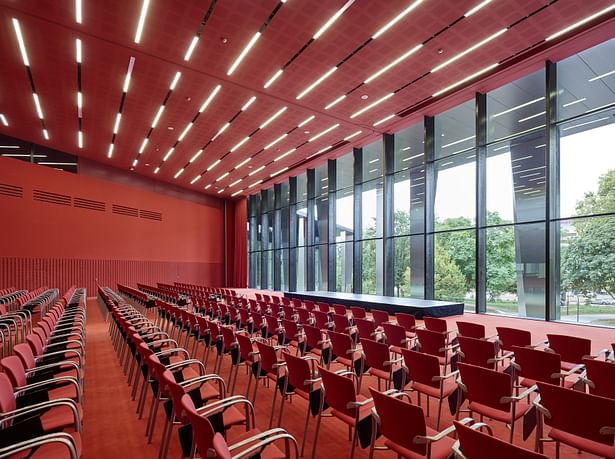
point(505, 202)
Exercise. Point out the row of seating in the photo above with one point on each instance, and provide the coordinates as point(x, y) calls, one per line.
point(41, 386)
point(161, 365)
point(225, 343)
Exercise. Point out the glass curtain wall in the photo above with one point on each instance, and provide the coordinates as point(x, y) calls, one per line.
point(505, 202)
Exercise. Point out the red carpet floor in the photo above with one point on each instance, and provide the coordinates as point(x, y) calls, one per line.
point(113, 430)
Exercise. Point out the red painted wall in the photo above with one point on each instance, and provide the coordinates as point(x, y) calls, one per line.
point(60, 244)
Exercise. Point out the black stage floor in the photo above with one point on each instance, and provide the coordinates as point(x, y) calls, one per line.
point(391, 304)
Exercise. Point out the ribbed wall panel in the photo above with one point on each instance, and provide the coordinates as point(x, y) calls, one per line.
point(30, 273)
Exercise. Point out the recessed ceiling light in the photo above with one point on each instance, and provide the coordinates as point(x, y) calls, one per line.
point(306, 132)
point(364, 97)
point(170, 128)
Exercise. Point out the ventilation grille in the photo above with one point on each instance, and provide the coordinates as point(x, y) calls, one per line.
point(150, 215)
point(124, 210)
point(11, 190)
point(90, 204)
point(52, 198)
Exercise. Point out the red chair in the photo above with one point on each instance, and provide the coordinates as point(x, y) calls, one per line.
point(583, 421)
point(571, 349)
point(403, 426)
point(252, 441)
point(342, 323)
point(290, 334)
point(509, 337)
point(268, 367)
point(366, 329)
point(425, 378)
point(478, 352)
point(395, 336)
point(436, 324)
point(340, 394)
point(304, 316)
point(599, 377)
point(247, 352)
point(381, 365)
point(434, 343)
point(473, 444)
point(490, 394)
point(309, 305)
point(408, 321)
point(532, 365)
point(304, 380)
point(339, 309)
point(471, 329)
point(357, 312)
point(344, 351)
point(59, 445)
point(380, 317)
point(322, 319)
point(317, 344)
point(324, 307)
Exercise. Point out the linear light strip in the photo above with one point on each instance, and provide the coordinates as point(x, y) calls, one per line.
point(243, 163)
point(396, 19)
point(78, 12)
point(190, 49)
point(236, 193)
point(466, 79)
point(335, 102)
point(404, 56)
point(326, 131)
point(273, 78)
point(517, 107)
point(245, 139)
point(141, 24)
point(272, 117)
point(306, 121)
point(580, 23)
point(21, 42)
point(477, 7)
point(384, 120)
point(245, 51)
point(267, 147)
point(210, 98)
point(316, 83)
point(3, 119)
point(469, 50)
point(332, 19)
point(372, 105)
point(352, 135)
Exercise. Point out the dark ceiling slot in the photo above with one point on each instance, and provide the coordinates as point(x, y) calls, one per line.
point(11, 190)
point(90, 204)
point(125, 210)
point(150, 215)
point(52, 198)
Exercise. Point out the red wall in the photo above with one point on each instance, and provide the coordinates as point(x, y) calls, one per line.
point(52, 244)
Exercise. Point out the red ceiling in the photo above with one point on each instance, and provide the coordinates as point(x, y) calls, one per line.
point(108, 30)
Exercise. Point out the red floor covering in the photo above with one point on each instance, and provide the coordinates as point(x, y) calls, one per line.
point(113, 430)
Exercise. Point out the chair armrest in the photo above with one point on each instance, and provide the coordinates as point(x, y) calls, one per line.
point(58, 365)
point(359, 404)
point(263, 443)
point(388, 363)
point(265, 434)
point(607, 430)
point(58, 438)
point(563, 374)
point(442, 378)
point(186, 363)
point(521, 396)
point(206, 378)
point(44, 406)
point(510, 355)
point(420, 439)
point(173, 351)
point(221, 405)
point(48, 382)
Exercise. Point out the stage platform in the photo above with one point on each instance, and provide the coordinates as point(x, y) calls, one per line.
point(391, 304)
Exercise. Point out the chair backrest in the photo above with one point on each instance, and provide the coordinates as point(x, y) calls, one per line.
point(486, 386)
point(408, 321)
point(228, 337)
point(176, 391)
point(365, 327)
point(341, 323)
point(431, 342)
point(471, 329)
point(290, 330)
point(312, 336)
point(309, 305)
point(321, 318)
point(324, 307)
point(376, 354)
point(14, 369)
point(285, 301)
point(578, 413)
point(537, 364)
point(339, 309)
point(296, 302)
point(395, 334)
point(24, 352)
point(298, 371)
point(357, 312)
point(477, 351)
point(571, 348)
point(435, 324)
point(602, 376)
point(268, 357)
point(341, 343)
point(380, 317)
point(7, 397)
point(221, 447)
point(475, 445)
point(339, 391)
point(202, 429)
point(400, 421)
point(510, 337)
point(421, 367)
point(245, 346)
point(304, 315)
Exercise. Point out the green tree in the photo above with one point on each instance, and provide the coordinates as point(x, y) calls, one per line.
point(588, 261)
point(402, 252)
point(460, 247)
point(501, 258)
point(368, 268)
point(449, 280)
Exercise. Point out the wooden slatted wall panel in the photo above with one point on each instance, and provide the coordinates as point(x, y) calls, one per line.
point(30, 273)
